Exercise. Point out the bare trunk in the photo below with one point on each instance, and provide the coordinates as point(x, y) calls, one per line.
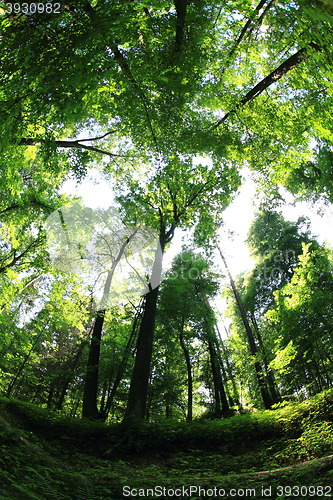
point(122, 364)
point(189, 375)
point(89, 406)
point(70, 376)
point(260, 375)
point(229, 369)
point(136, 405)
point(137, 396)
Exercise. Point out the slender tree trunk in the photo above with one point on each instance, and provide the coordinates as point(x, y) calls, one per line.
point(150, 397)
point(215, 363)
point(24, 362)
point(89, 406)
point(229, 369)
point(212, 356)
point(270, 377)
point(223, 394)
point(225, 378)
point(50, 396)
point(68, 379)
point(226, 399)
point(260, 376)
point(189, 374)
point(221, 402)
point(322, 363)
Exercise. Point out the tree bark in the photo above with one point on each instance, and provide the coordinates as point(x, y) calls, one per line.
point(181, 6)
point(212, 356)
point(89, 406)
point(246, 29)
point(11, 385)
point(189, 376)
point(136, 405)
point(122, 364)
point(229, 369)
point(137, 396)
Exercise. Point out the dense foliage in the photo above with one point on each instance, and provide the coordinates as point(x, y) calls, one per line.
point(169, 100)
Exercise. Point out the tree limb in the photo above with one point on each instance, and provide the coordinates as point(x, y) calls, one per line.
point(98, 138)
point(68, 144)
point(273, 77)
point(126, 69)
point(16, 258)
point(32, 201)
point(260, 19)
point(245, 29)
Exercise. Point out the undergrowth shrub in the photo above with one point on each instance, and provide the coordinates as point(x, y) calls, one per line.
point(317, 439)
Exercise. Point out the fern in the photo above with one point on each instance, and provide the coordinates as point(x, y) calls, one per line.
point(84, 489)
point(49, 492)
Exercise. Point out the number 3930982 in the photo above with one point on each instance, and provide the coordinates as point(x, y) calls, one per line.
point(32, 8)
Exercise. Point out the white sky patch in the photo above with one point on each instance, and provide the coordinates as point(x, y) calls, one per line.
point(95, 190)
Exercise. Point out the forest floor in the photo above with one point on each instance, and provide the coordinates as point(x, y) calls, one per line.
point(279, 454)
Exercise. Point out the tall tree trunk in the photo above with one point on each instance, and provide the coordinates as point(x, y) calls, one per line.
point(260, 375)
point(270, 377)
point(223, 394)
point(229, 369)
point(322, 362)
point(136, 405)
point(89, 406)
point(24, 362)
point(50, 396)
point(68, 379)
point(213, 364)
point(221, 402)
point(225, 378)
point(123, 363)
point(189, 374)
point(137, 396)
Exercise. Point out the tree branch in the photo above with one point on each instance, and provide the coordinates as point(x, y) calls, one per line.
point(260, 19)
point(126, 69)
point(91, 13)
point(68, 144)
point(32, 201)
point(244, 30)
point(273, 77)
point(195, 195)
point(16, 258)
point(98, 138)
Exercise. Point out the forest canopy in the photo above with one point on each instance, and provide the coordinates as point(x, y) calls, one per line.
point(170, 101)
